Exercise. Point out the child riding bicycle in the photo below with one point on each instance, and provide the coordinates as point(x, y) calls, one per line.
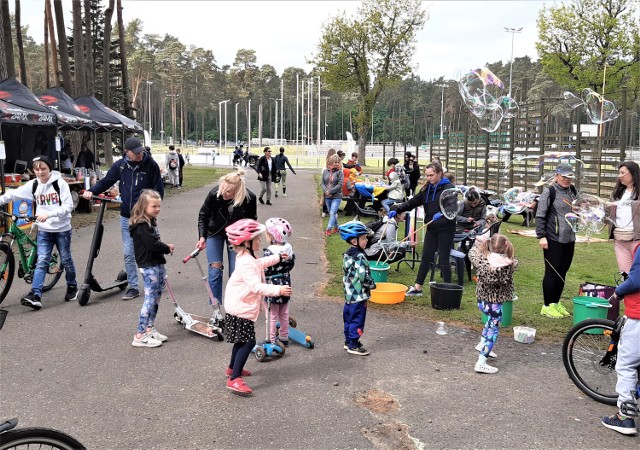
point(628, 361)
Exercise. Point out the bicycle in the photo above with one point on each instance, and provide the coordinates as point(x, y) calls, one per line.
point(27, 254)
point(589, 355)
point(41, 438)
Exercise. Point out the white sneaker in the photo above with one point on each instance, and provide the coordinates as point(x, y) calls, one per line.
point(479, 349)
point(284, 195)
point(485, 368)
point(324, 214)
point(146, 341)
point(157, 336)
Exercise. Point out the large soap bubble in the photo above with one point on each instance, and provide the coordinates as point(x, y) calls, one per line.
point(599, 109)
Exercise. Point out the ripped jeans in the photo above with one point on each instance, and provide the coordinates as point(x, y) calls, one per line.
point(215, 254)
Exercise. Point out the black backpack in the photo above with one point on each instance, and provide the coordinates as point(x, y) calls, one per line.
point(55, 186)
point(552, 196)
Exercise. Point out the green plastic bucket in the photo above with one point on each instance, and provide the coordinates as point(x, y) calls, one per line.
point(590, 308)
point(507, 314)
point(379, 271)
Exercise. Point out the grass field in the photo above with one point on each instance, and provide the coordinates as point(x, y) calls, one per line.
point(593, 262)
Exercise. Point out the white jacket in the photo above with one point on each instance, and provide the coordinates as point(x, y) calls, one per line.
point(171, 155)
point(46, 201)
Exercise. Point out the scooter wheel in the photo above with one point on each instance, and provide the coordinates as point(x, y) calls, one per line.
point(310, 344)
point(261, 354)
point(292, 322)
point(177, 317)
point(83, 296)
point(220, 337)
point(122, 276)
point(283, 349)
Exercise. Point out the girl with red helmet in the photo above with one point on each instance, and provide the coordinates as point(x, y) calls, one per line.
point(243, 294)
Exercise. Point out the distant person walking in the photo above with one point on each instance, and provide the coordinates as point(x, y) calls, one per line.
point(182, 164)
point(172, 164)
point(267, 173)
point(281, 162)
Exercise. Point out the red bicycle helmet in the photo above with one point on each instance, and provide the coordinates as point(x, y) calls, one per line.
point(243, 230)
point(279, 228)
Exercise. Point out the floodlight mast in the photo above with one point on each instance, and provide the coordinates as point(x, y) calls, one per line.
point(513, 32)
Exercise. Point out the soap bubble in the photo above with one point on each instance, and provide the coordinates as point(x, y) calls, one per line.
point(599, 109)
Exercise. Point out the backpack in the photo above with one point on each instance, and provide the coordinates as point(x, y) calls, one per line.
point(173, 164)
point(404, 176)
point(552, 196)
point(55, 185)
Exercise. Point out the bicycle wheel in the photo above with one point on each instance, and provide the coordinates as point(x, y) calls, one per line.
point(38, 438)
point(582, 355)
point(54, 272)
point(7, 269)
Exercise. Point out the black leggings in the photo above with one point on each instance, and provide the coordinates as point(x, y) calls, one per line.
point(441, 242)
point(559, 257)
point(239, 356)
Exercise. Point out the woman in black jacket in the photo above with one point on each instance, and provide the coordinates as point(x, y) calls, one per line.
point(267, 173)
point(225, 204)
point(439, 234)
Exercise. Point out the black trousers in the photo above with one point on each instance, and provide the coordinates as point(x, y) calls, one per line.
point(442, 242)
point(557, 260)
point(239, 355)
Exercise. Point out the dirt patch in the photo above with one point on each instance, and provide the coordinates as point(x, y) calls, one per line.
point(376, 401)
point(390, 435)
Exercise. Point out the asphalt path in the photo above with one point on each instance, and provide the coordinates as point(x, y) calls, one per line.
point(73, 368)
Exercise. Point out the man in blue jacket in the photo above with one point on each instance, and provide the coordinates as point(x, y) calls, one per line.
point(135, 172)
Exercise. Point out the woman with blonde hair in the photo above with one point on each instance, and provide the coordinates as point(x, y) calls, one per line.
point(225, 204)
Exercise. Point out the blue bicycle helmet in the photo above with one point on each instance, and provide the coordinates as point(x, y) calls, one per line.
point(352, 229)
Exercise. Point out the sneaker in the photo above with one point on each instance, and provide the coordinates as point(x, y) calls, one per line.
point(229, 371)
point(269, 203)
point(324, 214)
point(284, 195)
point(32, 301)
point(260, 200)
point(413, 292)
point(479, 349)
point(285, 342)
point(625, 426)
point(327, 233)
point(276, 194)
point(335, 230)
point(131, 294)
point(237, 385)
point(72, 293)
point(561, 309)
point(551, 311)
point(146, 341)
point(157, 336)
point(485, 368)
point(360, 351)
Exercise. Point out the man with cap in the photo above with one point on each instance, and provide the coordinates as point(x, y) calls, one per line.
point(136, 171)
point(281, 162)
point(556, 238)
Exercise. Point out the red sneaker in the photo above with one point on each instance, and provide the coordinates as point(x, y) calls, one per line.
point(335, 230)
point(327, 233)
point(229, 372)
point(237, 385)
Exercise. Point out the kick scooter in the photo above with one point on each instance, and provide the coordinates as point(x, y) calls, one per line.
point(90, 282)
point(296, 335)
point(267, 348)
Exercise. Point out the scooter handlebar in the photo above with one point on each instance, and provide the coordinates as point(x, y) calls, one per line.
point(103, 198)
point(193, 254)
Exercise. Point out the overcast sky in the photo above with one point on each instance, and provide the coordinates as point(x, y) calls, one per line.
point(458, 35)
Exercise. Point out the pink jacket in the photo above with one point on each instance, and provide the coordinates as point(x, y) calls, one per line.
point(247, 286)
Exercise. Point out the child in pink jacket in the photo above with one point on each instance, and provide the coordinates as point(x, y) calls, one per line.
point(243, 296)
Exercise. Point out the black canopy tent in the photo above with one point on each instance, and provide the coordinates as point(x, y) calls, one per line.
point(67, 110)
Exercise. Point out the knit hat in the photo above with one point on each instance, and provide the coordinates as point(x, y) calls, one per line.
point(43, 158)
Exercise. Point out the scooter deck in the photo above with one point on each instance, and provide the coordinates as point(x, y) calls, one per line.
point(198, 324)
point(298, 337)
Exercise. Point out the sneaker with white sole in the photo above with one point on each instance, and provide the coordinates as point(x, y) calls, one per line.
point(157, 335)
point(551, 311)
point(413, 292)
point(479, 348)
point(131, 294)
point(32, 301)
point(72, 293)
point(625, 426)
point(146, 341)
point(360, 351)
point(485, 368)
point(561, 309)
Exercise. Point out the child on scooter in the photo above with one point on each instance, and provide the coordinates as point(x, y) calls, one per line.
point(358, 283)
point(149, 251)
point(243, 295)
point(278, 232)
point(53, 202)
point(495, 265)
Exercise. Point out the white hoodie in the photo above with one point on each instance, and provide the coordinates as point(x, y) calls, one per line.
point(46, 201)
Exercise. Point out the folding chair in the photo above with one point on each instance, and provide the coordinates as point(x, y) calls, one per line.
point(365, 212)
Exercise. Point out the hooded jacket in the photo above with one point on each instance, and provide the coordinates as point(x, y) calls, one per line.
point(58, 208)
point(147, 246)
point(172, 155)
point(133, 178)
point(550, 222)
point(217, 213)
point(429, 197)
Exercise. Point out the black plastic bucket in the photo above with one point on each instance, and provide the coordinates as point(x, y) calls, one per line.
point(445, 295)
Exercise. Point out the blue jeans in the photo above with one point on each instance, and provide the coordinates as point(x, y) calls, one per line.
point(129, 255)
point(332, 206)
point(354, 316)
point(154, 279)
point(215, 254)
point(387, 202)
point(46, 240)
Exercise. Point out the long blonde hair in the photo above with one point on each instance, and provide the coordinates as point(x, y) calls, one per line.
point(330, 153)
point(235, 179)
point(498, 243)
point(138, 211)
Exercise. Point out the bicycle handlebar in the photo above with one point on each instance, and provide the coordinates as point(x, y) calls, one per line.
point(193, 254)
point(17, 216)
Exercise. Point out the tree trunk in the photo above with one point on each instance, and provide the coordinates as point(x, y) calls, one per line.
point(63, 48)
point(123, 62)
point(79, 64)
point(106, 52)
point(3, 61)
point(89, 71)
point(8, 40)
point(46, 54)
point(52, 40)
point(23, 66)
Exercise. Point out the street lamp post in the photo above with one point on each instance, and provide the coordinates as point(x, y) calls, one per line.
point(513, 32)
point(237, 123)
point(443, 86)
point(220, 122)
point(149, 83)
